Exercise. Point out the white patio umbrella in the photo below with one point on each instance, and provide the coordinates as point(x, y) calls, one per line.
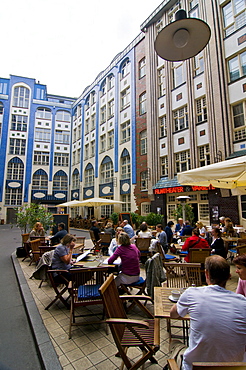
point(71, 203)
point(95, 202)
point(230, 174)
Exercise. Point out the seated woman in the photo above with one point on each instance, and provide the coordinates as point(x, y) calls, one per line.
point(62, 258)
point(109, 229)
point(37, 230)
point(202, 229)
point(115, 241)
point(130, 256)
point(217, 244)
point(240, 262)
point(194, 241)
point(144, 231)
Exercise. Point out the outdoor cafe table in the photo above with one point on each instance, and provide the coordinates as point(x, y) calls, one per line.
point(162, 307)
point(231, 239)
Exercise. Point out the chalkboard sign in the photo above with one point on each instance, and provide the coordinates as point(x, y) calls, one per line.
point(125, 216)
point(60, 218)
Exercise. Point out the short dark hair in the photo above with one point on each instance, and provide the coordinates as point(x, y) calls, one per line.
point(218, 232)
point(240, 260)
point(160, 226)
point(170, 223)
point(218, 269)
point(93, 222)
point(62, 225)
point(143, 227)
point(196, 232)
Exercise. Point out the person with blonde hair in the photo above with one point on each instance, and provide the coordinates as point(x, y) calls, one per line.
point(37, 230)
point(130, 256)
point(114, 242)
point(202, 229)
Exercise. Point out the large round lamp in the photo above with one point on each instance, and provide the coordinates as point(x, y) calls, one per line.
point(182, 39)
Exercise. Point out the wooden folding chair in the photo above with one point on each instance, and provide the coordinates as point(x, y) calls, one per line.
point(129, 333)
point(83, 288)
point(143, 245)
point(241, 249)
point(96, 243)
point(183, 275)
point(35, 250)
point(26, 245)
point(105, 240)
point(59, 288)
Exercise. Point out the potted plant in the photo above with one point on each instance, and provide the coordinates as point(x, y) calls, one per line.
point(114, 218)
point(27, 216)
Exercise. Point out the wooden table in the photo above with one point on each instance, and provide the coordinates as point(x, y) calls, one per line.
point(162, 307)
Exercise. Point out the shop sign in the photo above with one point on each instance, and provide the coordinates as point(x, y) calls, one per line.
point(182, 189)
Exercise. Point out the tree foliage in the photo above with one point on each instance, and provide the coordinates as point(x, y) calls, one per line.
point(27, 216)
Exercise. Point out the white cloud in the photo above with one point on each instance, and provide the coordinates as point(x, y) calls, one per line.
point(65, 44)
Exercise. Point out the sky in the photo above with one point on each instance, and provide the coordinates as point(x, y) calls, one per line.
point(66, 44)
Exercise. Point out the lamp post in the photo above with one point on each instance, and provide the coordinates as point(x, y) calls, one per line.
point(182, 199)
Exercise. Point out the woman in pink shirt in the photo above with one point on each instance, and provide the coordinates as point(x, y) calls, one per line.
point(130, 256)
point(240, 262)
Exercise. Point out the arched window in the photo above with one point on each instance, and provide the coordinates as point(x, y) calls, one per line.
point(60, 181)
point(40, 180)
point(103, 87)
point(106, 171)
point(43, 113)
point(21, 97)
point(75, 179)
point(125, 68)
point(110, 81)
point(89, 175)
point(125, 165)
point(63, 115)
point(15, 170)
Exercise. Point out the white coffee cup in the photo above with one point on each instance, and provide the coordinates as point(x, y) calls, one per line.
point(175, 294)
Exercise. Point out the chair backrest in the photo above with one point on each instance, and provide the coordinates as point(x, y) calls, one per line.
point(198, 255)
point(143, 244)
point(25, 238)
point(35, 244)
point(241, 249)
point(105, 238)
point(218, 365)
point(92, 236)
point(113, 305)
point(183, 275)
point(41, 238)
point(80, 240)
point(242, 234)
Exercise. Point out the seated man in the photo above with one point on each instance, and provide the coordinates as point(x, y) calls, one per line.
point(179, 226)
point(187, 229)
point(127, 228)
point(95, 229)
point(217, 318)
point(55, 239)
point(162, 237)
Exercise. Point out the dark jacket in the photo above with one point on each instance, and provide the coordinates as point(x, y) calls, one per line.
point(219, 247)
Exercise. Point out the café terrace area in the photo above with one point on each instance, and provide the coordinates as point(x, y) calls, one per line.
point(90, 347)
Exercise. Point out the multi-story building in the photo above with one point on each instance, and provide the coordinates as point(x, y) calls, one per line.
point(197, 117)
point(140, 122)
point(35, 145)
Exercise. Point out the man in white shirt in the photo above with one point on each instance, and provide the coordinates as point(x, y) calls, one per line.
point(217, 318)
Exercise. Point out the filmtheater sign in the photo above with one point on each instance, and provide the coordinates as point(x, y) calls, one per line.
point(182, 189)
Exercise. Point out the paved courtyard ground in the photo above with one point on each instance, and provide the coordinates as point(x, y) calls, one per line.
point(90, 347)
